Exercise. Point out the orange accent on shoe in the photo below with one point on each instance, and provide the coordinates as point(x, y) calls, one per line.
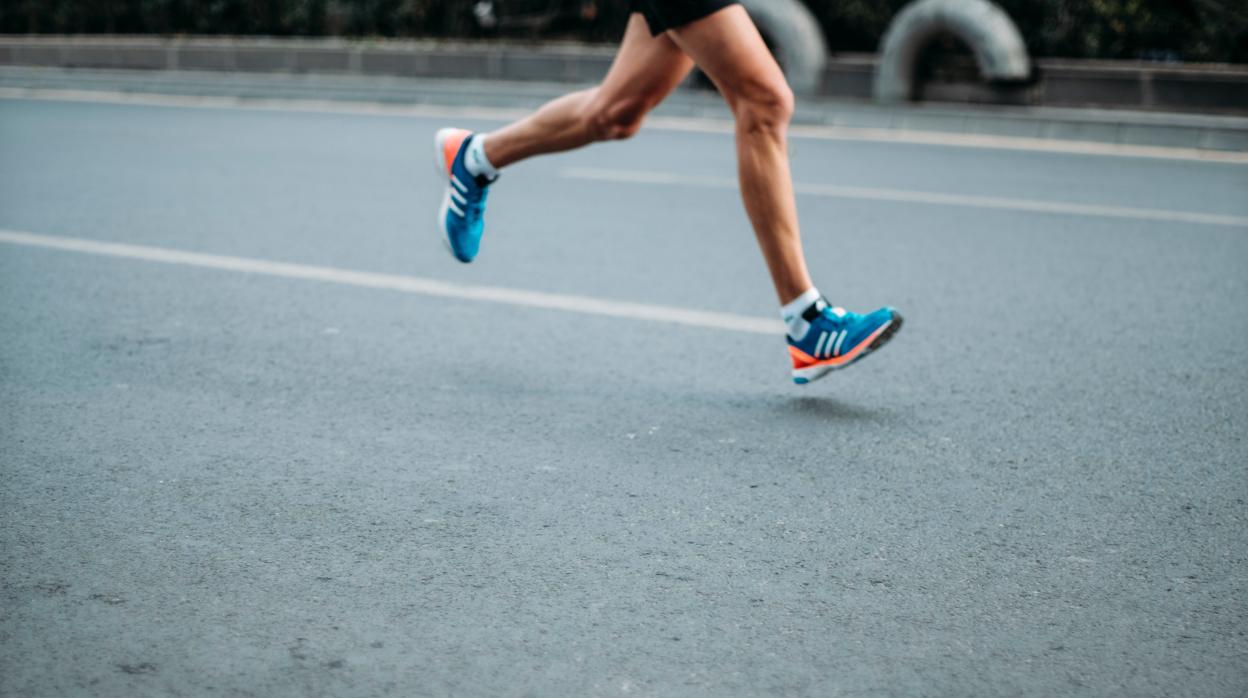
point(450, 147)
point(803, 360)
point(800, 358)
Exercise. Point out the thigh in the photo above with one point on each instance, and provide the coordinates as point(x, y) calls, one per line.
point(728, 48)
point(646, 68)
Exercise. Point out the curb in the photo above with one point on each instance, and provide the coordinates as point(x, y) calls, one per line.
point(1150, 129)
point(1200, 88)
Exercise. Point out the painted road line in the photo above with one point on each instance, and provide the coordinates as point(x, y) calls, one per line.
point(306, 106)
point(669, 123)
point(916, 197)
point(405, 284)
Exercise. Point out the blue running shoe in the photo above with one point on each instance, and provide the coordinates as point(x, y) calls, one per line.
point(837, 339)
point(462, 216)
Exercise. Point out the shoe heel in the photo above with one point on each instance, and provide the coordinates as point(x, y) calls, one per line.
point(439, 149)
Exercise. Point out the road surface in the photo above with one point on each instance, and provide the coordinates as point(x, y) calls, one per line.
point(260, 435)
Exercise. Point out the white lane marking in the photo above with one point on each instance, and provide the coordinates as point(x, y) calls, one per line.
point(405, 284)
point(668, 123)
point(916, 197)
point(963, 140)
point(1023, 143)
point(308, 106)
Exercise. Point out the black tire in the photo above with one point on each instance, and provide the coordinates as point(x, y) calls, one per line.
point(795, 39)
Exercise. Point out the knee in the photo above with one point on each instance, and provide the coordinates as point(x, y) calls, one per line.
point(766, 107)
point(615, 118)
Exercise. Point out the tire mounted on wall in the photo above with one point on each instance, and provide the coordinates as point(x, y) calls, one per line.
point(795, 39)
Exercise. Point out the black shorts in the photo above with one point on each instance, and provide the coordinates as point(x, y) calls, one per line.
point(662, 15)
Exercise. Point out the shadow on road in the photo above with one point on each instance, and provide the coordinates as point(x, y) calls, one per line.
point(825, 409)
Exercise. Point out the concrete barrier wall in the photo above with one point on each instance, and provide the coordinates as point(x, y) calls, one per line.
point(1132, 85)
point(553, 62)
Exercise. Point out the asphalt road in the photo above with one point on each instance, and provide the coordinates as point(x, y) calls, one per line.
point(230, 483)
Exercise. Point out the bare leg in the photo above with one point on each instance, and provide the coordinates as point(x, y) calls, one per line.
point(727, 46)
point(645, 70)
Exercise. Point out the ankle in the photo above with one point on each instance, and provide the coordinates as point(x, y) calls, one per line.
point(475, 160)
point(795, 313)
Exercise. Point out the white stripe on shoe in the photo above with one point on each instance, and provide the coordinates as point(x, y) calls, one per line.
point(836, 351)
point(819, 345)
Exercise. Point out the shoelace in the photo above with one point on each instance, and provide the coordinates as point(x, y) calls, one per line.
point(837, 314)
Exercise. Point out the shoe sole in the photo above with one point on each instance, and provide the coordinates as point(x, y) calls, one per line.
point(802, 376)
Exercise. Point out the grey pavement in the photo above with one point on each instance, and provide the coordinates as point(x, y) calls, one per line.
point(225, 483)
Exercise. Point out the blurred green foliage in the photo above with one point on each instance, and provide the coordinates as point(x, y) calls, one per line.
point(240, 17)
point(1190, 30)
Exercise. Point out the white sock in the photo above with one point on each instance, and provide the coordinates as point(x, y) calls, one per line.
point(477, 164)
point(792, 311)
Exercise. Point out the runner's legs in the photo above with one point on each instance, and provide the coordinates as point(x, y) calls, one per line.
point(728, 48)
point(726, 44)
point(646, 69)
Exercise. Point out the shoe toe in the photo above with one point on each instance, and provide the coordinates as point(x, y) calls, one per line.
point(883, 315)
point(463, 246)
